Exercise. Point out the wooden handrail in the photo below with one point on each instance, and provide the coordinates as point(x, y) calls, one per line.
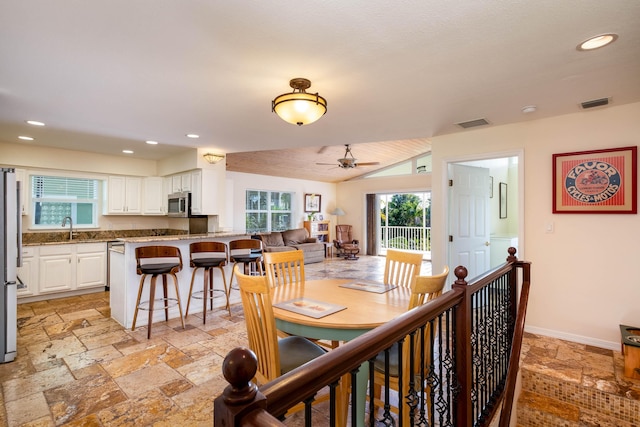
point(273, 399)
point(514, 358)
point(285, 391)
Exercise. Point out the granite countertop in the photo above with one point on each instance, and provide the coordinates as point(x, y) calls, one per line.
point(127, 236)
point(145, 239)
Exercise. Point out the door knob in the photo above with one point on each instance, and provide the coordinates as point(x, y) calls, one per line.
point(487, 243)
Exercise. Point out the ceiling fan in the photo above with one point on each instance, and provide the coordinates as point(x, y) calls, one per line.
point(348, 161)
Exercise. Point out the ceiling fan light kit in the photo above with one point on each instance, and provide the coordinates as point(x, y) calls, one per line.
point(299, 107)
point(348, 161)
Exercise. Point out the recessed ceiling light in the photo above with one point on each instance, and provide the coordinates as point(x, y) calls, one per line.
point(26, 138)
point(193, 135)
point(597, 42)
point(152, 142)
point(127, 151)
point(35, 123)
point(529, 109)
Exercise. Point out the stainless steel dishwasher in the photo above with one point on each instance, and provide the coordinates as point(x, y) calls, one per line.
point(112, 246)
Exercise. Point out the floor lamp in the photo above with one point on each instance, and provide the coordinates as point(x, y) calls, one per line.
point(338, 213)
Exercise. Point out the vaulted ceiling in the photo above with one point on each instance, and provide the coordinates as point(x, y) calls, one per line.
point(107, 75)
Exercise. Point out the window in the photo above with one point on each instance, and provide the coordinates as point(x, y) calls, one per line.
point(56, 197)
point(268, 211)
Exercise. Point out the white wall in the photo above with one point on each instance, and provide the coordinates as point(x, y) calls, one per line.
point(32, 157)
point(240, 182)
point(584, 283)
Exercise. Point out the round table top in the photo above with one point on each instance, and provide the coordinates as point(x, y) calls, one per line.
point(363, 309)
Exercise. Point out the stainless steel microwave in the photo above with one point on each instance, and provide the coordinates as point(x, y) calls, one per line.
point(179, 205)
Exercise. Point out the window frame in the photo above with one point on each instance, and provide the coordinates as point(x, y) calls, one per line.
point(269, 212)
point(95, 202)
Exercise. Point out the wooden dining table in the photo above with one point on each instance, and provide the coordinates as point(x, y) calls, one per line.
point(359, 306)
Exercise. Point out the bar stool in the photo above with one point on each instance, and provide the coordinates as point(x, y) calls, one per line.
point(157, 261)
point(247, 252)
point(207, 255)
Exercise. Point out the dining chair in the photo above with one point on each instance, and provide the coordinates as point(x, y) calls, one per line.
point(275, 356)
point(401, 267)
point(283, 268)
point(424, 289)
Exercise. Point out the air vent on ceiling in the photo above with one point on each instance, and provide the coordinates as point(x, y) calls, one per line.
point(473, 123)
point(594, 103)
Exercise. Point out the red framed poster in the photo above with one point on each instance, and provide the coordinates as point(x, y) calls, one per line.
point(597, 181)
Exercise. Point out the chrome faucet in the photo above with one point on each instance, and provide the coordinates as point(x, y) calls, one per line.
point(64, 223)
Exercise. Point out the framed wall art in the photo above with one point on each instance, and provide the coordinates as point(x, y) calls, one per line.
point(596, 181)
point(312, 202)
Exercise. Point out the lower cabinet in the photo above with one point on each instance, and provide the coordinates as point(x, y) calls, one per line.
point(65, 267)
point(28, 273)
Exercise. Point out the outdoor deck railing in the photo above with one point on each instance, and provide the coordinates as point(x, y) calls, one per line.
point(412, 238)
point(476, 333)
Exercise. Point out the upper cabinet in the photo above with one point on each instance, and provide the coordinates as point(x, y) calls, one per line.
point(181, 182)
point(207, 192)
point(206, 187)
point(154, 197)
point(124, 195)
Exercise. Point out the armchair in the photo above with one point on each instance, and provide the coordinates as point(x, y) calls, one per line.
point(345, 243)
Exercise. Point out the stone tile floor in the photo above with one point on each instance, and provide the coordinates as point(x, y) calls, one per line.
point(569, 384)
point(78, 367)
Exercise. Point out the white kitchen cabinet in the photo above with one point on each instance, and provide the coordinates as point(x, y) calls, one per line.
point(123, 195)
point(71, 267)
point(28, 273)
point(154, 196)
point(181, 182)
point(207, 192)
point(196, 193)
point(91, 265)
point(22, 177)
point(56, 268)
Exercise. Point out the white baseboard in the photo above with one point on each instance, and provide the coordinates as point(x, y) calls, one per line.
point(611, 345)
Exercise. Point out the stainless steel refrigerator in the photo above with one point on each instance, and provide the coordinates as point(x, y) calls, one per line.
point(11, 241)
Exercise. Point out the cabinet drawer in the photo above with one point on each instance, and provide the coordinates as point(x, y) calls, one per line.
point(83, 248)
point(29, 251)
point(46, 250)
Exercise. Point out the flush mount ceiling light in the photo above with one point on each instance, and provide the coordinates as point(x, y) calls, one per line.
point(299, 107)
point(213, 158)
point(597, 42)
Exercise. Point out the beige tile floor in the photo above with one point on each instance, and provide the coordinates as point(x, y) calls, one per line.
point(78, 367)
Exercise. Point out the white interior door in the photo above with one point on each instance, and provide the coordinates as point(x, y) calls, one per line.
point(469, 225)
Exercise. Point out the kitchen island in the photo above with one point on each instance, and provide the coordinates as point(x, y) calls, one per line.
point(125, 281)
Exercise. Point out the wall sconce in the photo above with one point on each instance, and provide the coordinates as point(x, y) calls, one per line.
point(213, 158)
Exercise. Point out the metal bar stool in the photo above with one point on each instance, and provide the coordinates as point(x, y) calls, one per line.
point(208, 256)
point(247, 252)
point(157, 261)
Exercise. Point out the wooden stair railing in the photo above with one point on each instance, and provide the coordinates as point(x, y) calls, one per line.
point(243, 404)
point(516, 347)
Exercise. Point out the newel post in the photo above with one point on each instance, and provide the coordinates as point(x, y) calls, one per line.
point(463, 350)
point(241, 396)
